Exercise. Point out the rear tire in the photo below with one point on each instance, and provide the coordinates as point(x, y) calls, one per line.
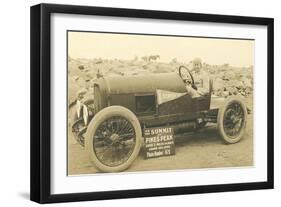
point(232, 119)
point(105, 131)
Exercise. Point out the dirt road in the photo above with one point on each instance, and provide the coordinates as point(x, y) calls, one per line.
point(203, 149)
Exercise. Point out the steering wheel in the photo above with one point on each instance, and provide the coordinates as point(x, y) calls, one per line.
point(186, 76)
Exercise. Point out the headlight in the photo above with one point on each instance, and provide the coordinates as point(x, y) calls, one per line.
point(78, 108)
point(85, 114)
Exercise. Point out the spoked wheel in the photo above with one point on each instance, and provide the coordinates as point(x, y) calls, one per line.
point(232, 118)
point(113, 139)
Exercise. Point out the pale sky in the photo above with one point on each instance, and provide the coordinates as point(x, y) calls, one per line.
point(124, 46)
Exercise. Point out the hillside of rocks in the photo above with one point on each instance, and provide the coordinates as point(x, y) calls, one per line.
point(227, 80)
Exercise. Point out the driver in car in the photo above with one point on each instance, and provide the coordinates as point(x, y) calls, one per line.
point(201, 80)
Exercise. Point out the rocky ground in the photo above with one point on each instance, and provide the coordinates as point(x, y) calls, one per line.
point(227, 80)
point(203, 149)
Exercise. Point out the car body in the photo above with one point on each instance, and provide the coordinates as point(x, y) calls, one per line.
point(141, 94)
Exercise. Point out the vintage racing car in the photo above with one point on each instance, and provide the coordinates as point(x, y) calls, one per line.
point(110, 125)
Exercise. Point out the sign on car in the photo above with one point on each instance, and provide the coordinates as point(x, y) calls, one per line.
point(159, 141)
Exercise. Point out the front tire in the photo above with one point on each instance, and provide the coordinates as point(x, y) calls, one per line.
point(113, 139)
point(232, 118)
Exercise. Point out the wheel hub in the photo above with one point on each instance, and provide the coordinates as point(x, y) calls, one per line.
point(234, 119)
point(114, 137)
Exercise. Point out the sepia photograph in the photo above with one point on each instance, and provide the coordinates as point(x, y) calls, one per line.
point(149, 102)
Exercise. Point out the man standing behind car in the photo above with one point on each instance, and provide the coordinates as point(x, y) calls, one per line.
point(201, 80)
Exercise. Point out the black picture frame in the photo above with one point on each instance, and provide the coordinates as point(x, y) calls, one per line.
point(41, 102)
